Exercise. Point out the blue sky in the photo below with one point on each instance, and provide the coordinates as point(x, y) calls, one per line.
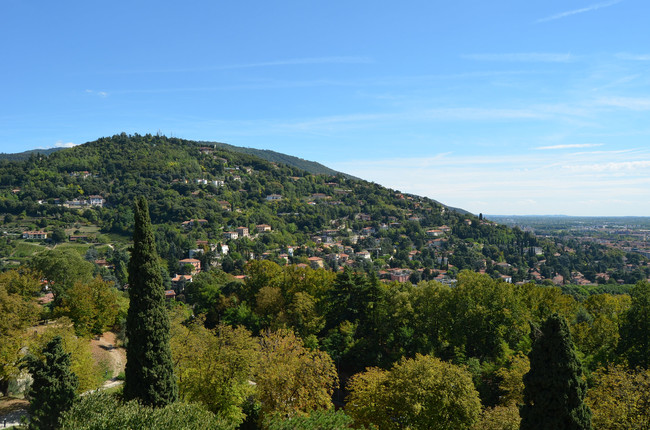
point(499, 107)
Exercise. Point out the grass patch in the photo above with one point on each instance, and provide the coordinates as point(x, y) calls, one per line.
point(80, 248)
point(26, 249)
point(118, 389)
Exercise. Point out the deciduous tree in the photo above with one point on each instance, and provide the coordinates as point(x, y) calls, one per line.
point(419, 393)
point(620, 398)
point(635, 329)
point(92, 306)
point(17, 312)
point(102, 411)
point(215, 367)
point(291, 379)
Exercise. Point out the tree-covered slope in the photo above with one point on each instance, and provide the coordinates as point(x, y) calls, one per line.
point(278, 157)
point(197, 192)
point(26, 154)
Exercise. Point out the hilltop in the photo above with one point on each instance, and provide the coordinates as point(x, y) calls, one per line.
point(277, 157)
point(26, 154)
point(230, 205)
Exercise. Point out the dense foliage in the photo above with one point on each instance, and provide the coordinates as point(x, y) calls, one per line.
point(149, 369)
point(314, 214)
point(336, 292)
point(54, 387)
point(102, 411)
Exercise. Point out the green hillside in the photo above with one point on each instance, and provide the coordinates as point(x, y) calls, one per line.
point(277, 157)
point(321, 215)
point(26, 154)
point(321, 289)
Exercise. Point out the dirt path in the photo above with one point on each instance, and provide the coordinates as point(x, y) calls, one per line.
point(105, 349)
point(11, 411)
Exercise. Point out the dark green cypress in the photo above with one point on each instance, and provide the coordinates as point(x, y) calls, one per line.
point(553, 388)
point(54, 386)
point(149, 373)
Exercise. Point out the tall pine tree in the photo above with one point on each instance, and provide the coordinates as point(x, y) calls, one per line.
point(149, 373)
point(54, 386)
point(553, 388)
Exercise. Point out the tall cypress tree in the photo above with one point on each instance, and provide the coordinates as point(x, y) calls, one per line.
point(553, 388)
point(54, 386)
point(149, 373)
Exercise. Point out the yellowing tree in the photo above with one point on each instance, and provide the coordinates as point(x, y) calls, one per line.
point(499, 418)
point(214, 367)
point(620, 399)
point(92, 306)
point(512, 380)
point(82, 362)
point(16, 314)
point(597, 338)
point(291, 379)
point(419, 393)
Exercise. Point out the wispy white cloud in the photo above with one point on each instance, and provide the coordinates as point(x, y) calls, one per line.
point(524, 57)
point(300, 61)
point(274, 63)
point(482, 114)
point(543, 182)
point(61, 144)
point(631, 103)
point(624, 166)
point(633, 57)
point(570, 146)
point(97, 93)
point(589, 8)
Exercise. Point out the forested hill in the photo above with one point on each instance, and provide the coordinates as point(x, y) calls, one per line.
point(277, 157)
point(26, 154)
point(202, 195)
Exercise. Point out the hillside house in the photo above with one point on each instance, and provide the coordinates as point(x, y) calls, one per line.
point(233, 235)
point(316, 262)
point(434, 233)
point(191, 223)
point(263, 228)
point(179, 281)
point(37, 235)
point(80, 238)
point(273, 198)
point(196, 264)
point(242, 231)
point(103, 263)
point(365, 255)
point(96, 201)
point(400, 276)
